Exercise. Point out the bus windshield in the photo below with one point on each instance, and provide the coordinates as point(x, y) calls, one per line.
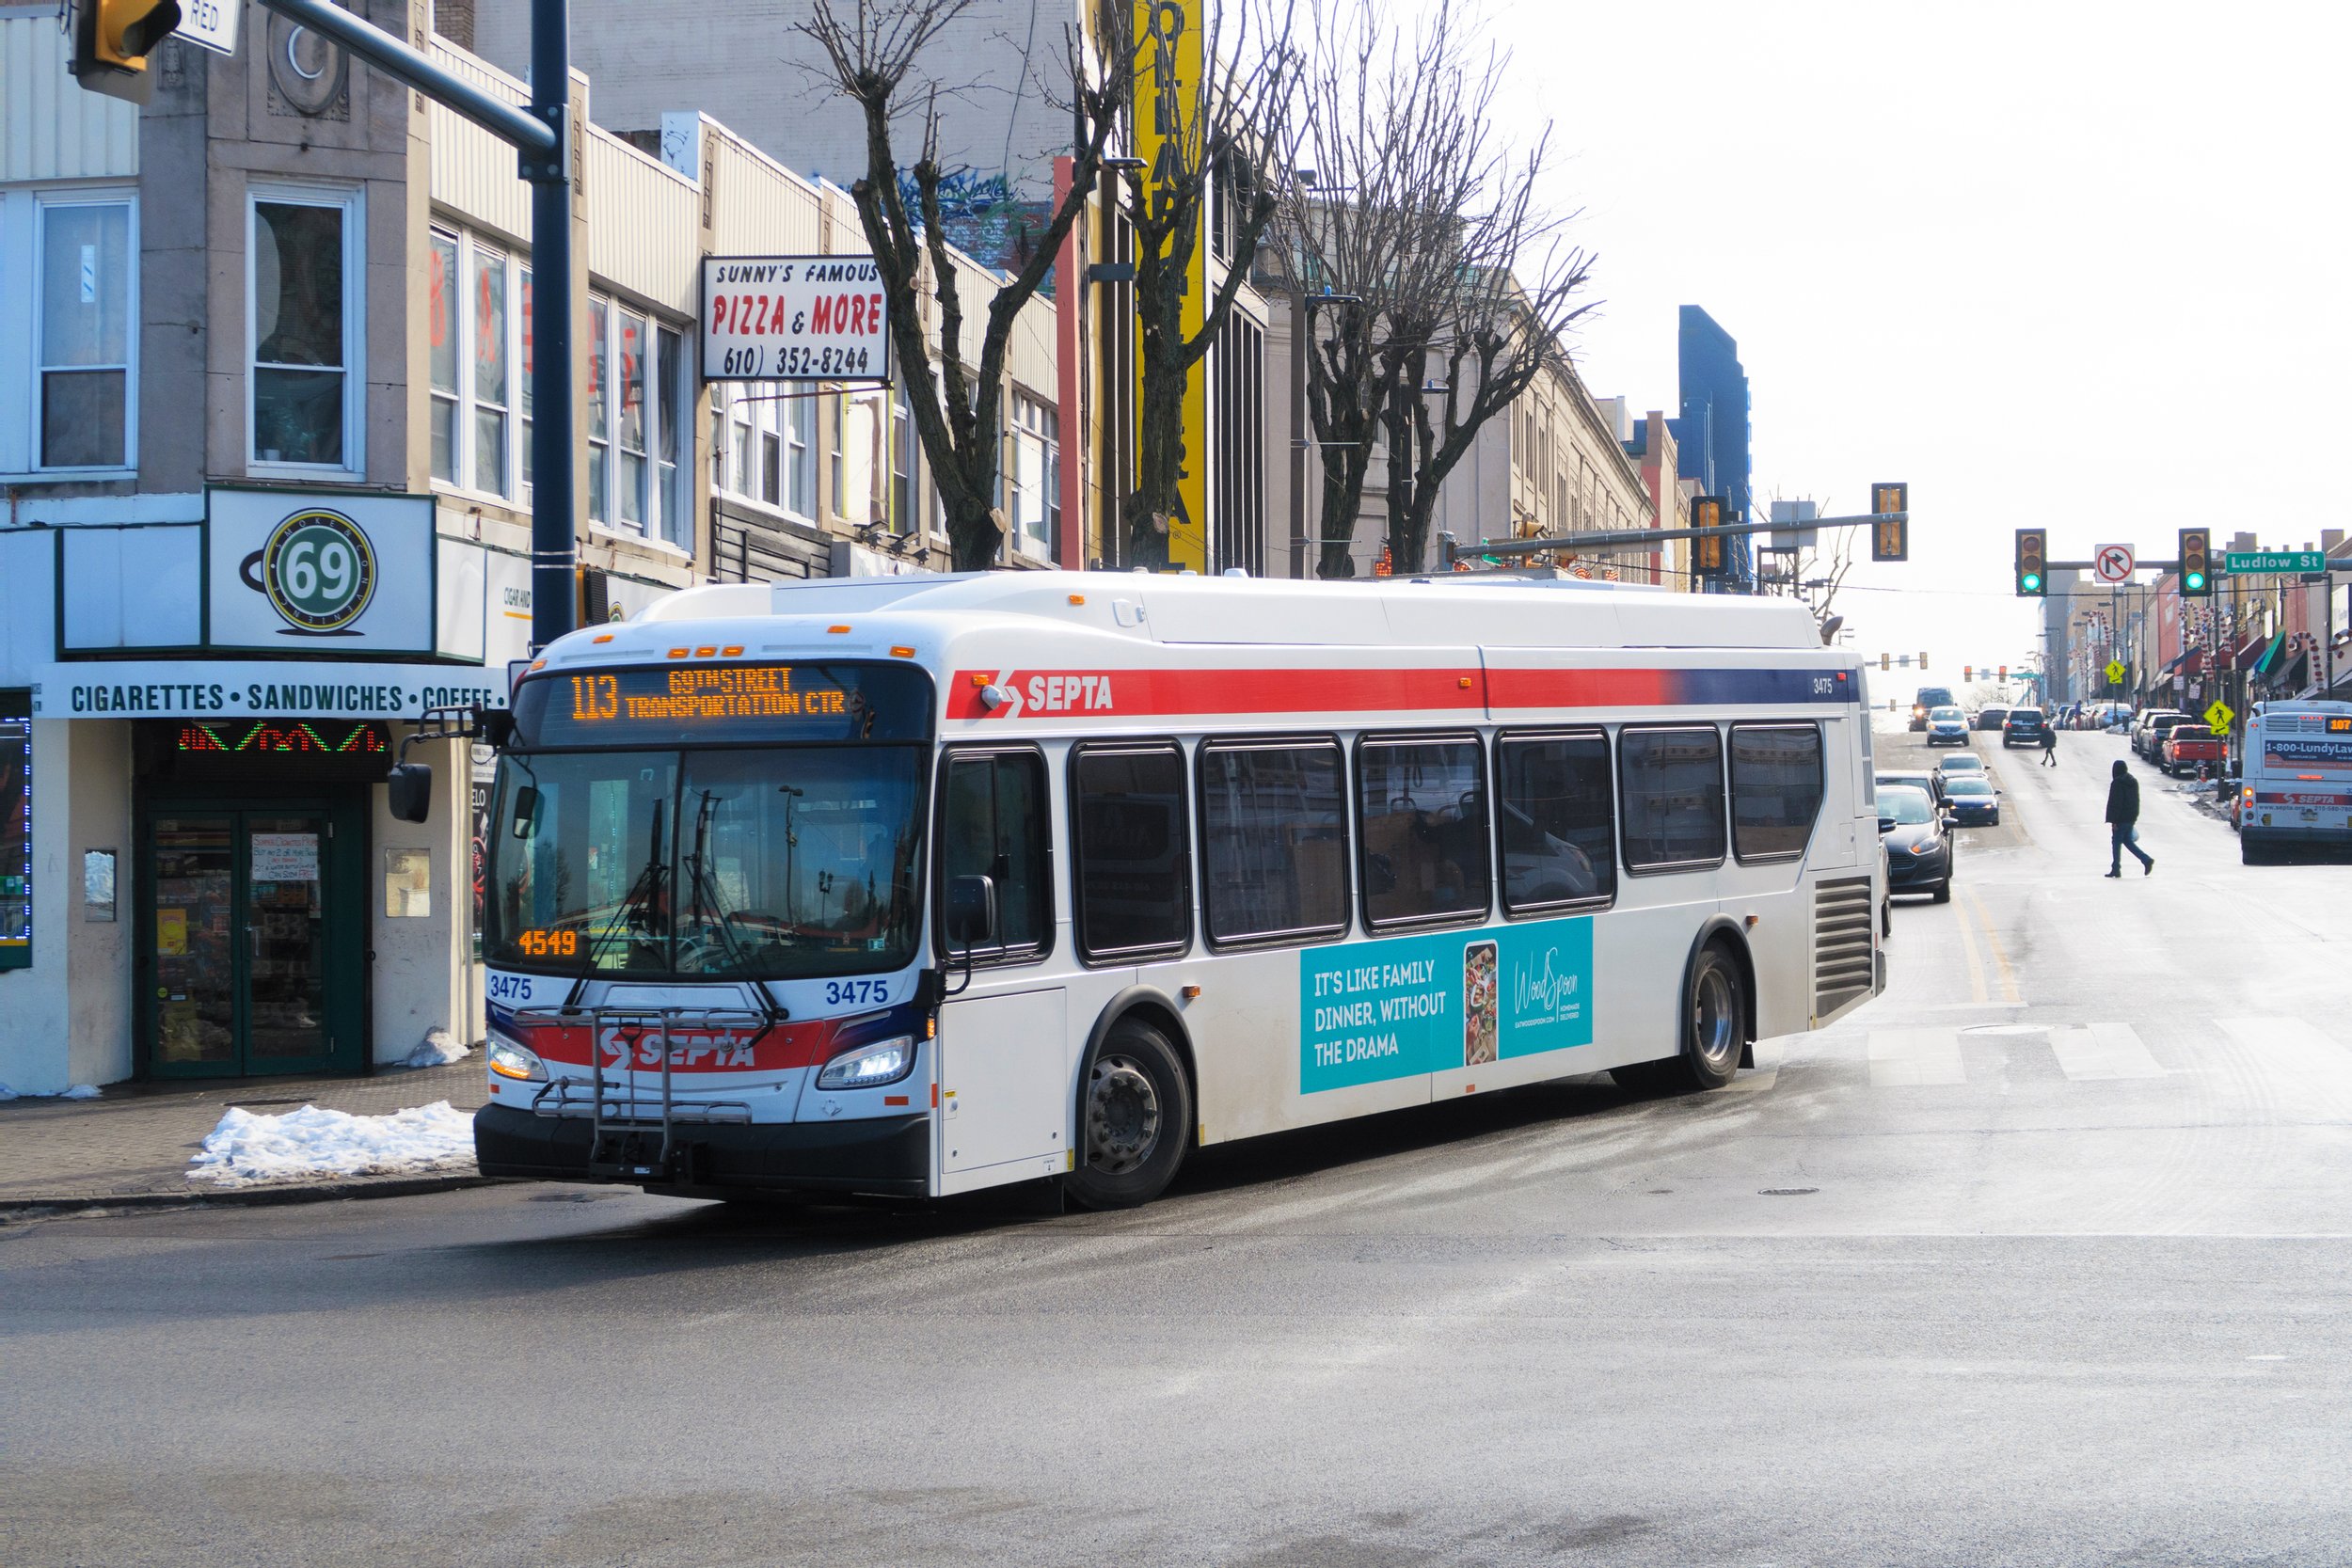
point(772, 862)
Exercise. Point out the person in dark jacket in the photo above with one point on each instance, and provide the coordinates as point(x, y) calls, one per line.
point(2049, 745)
point(2123, 821)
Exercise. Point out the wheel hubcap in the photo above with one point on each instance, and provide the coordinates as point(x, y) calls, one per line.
point(1122, 1116)
point(1715, 1018)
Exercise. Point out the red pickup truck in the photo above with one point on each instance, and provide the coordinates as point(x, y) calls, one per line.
point(2190, 744)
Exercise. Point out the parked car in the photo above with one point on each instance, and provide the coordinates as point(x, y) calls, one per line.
point(2153, 727)
point(1931, 780)
point(1947, 726)
point(1960, 762)
point(1992, 717)
point(2025, 726)
point(1918, 842)
point(2186, 745)
point(1974, 801)
point(2106, 716)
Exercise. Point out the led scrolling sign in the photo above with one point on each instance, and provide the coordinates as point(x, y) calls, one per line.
point(725, 703)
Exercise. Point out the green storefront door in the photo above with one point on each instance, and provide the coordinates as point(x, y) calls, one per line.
point(252, 937)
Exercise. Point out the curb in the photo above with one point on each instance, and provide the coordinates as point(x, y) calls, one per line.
point(243, 1197)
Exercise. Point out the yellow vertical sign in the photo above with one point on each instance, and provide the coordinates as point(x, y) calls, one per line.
point(1167, 101)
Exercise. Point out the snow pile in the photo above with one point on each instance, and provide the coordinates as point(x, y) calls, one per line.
point(435, 1049)
point(246, 1150)
point(79, 1091)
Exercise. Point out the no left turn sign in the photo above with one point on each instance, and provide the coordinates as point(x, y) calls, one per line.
point(2113, 563)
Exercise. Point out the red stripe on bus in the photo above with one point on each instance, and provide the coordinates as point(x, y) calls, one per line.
point(1582, 687)
point(1124, 692)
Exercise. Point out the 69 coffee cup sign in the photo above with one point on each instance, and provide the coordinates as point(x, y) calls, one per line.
point(317, 570)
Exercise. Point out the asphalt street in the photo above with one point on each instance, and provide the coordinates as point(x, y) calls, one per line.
point(2040, 1257)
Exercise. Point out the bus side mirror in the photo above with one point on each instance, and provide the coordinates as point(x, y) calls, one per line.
point(409, 791)
point(971, 912)
point(526, 819)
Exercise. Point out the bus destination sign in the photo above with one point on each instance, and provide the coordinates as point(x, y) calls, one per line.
point(725, 703)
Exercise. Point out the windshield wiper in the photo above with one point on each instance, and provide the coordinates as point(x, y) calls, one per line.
point(642, 897)
point(705, 888)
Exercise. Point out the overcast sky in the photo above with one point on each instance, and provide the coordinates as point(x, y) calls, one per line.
point(2064, 264)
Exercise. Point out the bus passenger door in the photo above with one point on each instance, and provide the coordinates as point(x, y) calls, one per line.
point(1003, 1050)
point(1003, 1088)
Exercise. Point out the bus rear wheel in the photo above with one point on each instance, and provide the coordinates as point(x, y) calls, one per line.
point(1714, 1029)
point(1134, 1118)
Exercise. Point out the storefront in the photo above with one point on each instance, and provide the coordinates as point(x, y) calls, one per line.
point(199, 874)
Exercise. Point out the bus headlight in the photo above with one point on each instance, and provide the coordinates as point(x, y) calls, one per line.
point(513, 1059)
point(868, 1065)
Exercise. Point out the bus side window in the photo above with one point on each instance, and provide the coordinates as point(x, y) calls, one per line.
point(1673, 785)
point(1557, 820)
point(1133, 872)
point(1422, 805)
point(1273, 841)
point(991, 823)
point(1775, 789)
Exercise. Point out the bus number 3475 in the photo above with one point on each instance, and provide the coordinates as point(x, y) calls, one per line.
point(856, 993)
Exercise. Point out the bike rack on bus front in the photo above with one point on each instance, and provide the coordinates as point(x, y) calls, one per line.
point(667, 1020)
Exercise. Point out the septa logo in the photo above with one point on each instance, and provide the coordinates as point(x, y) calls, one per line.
point(1071, 693)
point(638, 1045)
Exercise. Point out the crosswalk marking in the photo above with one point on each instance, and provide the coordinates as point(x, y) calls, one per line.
point(1913, 1058)
point(2287, 1042)
point(2101, 1051)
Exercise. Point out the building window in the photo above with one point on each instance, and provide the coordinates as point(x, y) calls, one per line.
point(441, 309)
point(305, 295)
point(599, 412)
point(630, 353)
point(765, 436)
point(674, 506)
point(902, 517)
point(1036, 465)
point(84, 333)
point(522, 382)
point(491, 387)
point(861, 425)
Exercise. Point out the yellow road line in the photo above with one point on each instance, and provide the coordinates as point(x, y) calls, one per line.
point(1975, 965)
point(1992, 941)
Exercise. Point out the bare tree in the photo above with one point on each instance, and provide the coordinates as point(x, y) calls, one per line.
point(1213, 133)
point(1515, 293)
point(873, 47)
point(1392, 121)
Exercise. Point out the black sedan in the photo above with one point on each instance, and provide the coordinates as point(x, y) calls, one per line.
point(1972, 798)
point(1918, 842)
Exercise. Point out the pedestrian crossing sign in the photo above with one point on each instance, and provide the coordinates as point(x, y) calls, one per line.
point(2115, 671)
point(2219, 715)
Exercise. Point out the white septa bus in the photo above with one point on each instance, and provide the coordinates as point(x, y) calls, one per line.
point(2295, 784)
point(926, 884)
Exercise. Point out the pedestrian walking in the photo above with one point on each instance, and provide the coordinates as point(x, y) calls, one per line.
point(2049, 745)
point(2123, 821)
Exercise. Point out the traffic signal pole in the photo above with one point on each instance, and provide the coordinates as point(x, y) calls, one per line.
point(541, 136)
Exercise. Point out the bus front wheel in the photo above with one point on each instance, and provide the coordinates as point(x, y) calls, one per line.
point(1134, 1118)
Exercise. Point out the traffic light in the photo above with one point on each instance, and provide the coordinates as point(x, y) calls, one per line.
point(1967, 673)
point(2032, 563)
point(1886, 661)
point(2196, 564)
point(1923, 661)
point(2004, 672)
point(112, 39)
point(1890, 535)
point(1706, 551)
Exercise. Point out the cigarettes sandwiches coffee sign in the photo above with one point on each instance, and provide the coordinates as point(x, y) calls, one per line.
point(794, 318)
point(321, 574)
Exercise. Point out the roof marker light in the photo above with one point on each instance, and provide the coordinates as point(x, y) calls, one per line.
point(837, 630)
point(602, 637)
point(901, 652)
point(708, 650)
point(538, 664)
point(679, 653)
point(979, 679)
point(731, 650)
point(1077, 598)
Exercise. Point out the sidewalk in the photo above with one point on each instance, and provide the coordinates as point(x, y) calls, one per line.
point(133, 1144)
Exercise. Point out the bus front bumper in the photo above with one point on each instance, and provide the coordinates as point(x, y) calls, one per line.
point(884, 1154)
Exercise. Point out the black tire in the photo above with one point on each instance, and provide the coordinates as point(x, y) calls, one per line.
point(1134, 1118)
point(1996, 821)
point(1714, 1029)
point(1944, 889)
point(1887, 918)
